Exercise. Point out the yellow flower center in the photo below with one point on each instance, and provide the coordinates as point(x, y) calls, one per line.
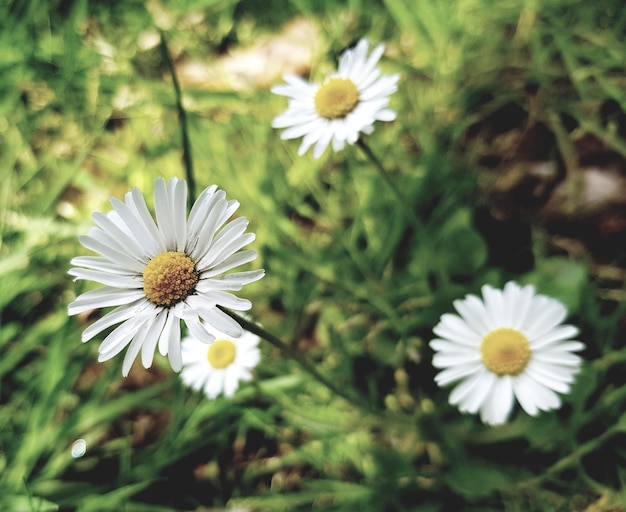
point(336, 98)
point(221, 354)
point(169, 277)
point(505, 351)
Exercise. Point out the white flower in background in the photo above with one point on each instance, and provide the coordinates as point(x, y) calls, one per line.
point(157, 274)
point(510, 345)
point(347, 103)
point(220, 367)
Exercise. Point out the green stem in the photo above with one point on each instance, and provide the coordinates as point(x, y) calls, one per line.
point(182, 116)
point(574, 457)
point(608, 402)
point(609, 360)
point(408, 210)
point(304, 362)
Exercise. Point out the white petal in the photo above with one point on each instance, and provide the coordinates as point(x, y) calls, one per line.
point(193, 375)
point(173, 349)
point(497, 406)
point(557, 334)
point(474, 400)
point(199, 211)
point(564, 346)
point(369, 66)
point(226, 243)
point(544, 315)
point(230, 301)
point(133, 350)
point(453, 328)
point(494, 303)
point(466, 387)
point(120, 258)
point(214, 384)
point(145, 235)
point(457, 372)
point(115, 342)
point(443, 360)
point(113, 225)
point(450, 346)
point(386, 115)
point(474, 313)
point(230, 281)
point(231, 383)
point(198, 330)
point(215, 218)
point(172, 324)
point(564, 374)
point(152, 338)
point(106, 278)
point(547, 381)
point(179, 202)
point(557, 357)
point(322, 143)
point(517, 300)
point(137, 204)
point(164, 214)
point(99, 263)
point(534, 397)
point(103, 297)
point(222, 322)
point(116, 316)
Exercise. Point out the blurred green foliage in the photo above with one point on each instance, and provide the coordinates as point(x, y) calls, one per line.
point(87, 110)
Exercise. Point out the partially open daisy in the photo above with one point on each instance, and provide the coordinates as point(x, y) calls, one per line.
point(157, 274)
point(338, 110)
point(220, 367)
point(511, 345)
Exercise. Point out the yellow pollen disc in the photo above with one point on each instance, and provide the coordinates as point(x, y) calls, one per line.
point(221, 354)
point(505, 351)
point(336, 98)
point(169, 277)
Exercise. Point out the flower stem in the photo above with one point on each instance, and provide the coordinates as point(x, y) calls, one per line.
point(182, 116)
point(574, 457)
point(304, 362)
point(407, 209)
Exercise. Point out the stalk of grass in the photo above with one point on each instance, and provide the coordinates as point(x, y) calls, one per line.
point(182, 116)
point(405, 204)
point(302, 360)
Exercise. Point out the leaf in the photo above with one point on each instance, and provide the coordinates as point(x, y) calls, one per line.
point(459, 248)
point(22, 503)
point(560, 278)
point(322, 491)
point(477, 480)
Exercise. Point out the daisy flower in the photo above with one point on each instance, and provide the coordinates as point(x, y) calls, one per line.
point(510, 345)
point(159, 273)
point(218, 368)
point(336, 111)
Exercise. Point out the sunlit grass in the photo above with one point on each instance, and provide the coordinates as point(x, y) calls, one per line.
point(357, 275)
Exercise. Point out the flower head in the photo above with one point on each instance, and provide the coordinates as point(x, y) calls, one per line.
point(159, 273)
point(218, 368)
point(346, 103)
point(510, 345)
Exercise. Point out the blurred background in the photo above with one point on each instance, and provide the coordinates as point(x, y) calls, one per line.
point(510, 148)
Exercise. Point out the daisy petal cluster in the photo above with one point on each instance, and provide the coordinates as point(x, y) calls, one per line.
point(220, 367)
point(157, 274)
point(346, 104)
point(511, 345)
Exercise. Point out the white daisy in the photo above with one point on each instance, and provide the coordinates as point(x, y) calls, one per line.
point(347, 103)
point(157, 274)
point(218, 368)
point(511, 345)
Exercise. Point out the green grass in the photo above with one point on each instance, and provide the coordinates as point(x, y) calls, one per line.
point(356, 274)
